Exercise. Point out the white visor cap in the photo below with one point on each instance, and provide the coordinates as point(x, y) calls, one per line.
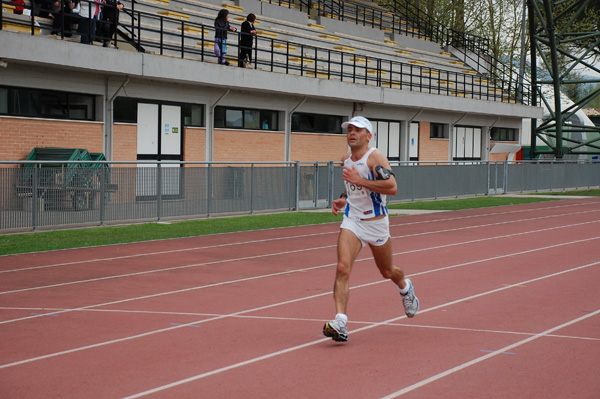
point(360, 122)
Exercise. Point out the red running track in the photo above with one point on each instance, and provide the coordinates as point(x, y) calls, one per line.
point(509, 308)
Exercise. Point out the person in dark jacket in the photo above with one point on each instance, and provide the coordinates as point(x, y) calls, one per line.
point(65, 19)
point(110, 19)
point(221, 28)
point(247, 40)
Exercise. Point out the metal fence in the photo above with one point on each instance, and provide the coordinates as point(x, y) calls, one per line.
point(36, 195)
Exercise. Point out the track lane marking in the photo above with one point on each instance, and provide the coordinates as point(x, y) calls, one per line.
point(221, 261)
point(281, 318)
point(290, 237)
point(331, 264)
point(294, 301)
point(486, 357)
point(302, 346)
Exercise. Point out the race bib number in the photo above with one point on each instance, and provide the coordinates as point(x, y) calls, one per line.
point(355, 191)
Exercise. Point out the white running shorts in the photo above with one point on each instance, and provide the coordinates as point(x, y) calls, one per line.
point(374, 232)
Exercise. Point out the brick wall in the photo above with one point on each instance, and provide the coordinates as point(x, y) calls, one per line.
point(18, 136)
point(431, 149)
point(248, 145)
point(194, 141)
point(310, 147)
point(124, 142)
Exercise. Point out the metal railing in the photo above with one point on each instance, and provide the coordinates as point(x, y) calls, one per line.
point(399, 18)
point(36, 195)
point(149, 32)
point(407, 20)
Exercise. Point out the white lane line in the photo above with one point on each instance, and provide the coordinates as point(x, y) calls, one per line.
point(168, 269)
point(221, 261)
point(323, 266)
point(272, 306)
point(486, 357)
point(291, 349)
point(294, 319)
point(295, 237)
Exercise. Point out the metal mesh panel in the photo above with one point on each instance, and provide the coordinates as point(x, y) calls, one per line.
point(338, 182)
point(470, 179)
point(229, 190)
point(187, 191)
point(14, 206)
point(135, 196)
point(55, 195)
point(515, 176)
point(425, 181)
point(274, 188)
point(405, 179)
point(307, 183)
point(496, 178)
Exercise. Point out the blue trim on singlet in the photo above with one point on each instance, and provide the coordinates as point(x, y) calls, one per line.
point(376, 198)
point(378, 208)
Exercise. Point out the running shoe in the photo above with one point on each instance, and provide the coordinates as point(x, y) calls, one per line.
point(336, 330)
point(410, 301)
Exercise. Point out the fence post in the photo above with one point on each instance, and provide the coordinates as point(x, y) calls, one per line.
point(103, 193)
point(435, 189)
point(209, 189)
point(489, 170)
point(505, 180)
point(34, 196)
point(316, 184)
point(413, 169)
point(158, 191)
point(251, 188)
point(330, 183)
point(495, 177)
point(297, 186)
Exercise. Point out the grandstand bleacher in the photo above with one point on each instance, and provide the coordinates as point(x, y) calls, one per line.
point(366, 59)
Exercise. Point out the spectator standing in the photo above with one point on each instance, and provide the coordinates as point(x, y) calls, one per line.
point(42, 8)
point(247, 40)
point(221, 28)
point(89, 12)
point(65, 18)
point(110, 18)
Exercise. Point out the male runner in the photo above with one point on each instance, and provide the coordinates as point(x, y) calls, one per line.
point(368, 179)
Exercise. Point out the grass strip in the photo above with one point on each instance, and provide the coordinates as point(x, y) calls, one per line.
point(467, 203)
point(77, 238)
point(583, 193)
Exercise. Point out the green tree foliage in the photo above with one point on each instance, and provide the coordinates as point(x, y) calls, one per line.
point(500, 21)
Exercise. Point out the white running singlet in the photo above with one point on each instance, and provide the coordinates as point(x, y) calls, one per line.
point(363, 203)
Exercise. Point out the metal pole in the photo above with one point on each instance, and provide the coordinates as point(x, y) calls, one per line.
point(316, 184)
point(331, 183)
point(251, 188)
point(34, 197)
point(522, 60)
point(158, 192)
point(297, 185)
point(532, 55)
point(209, 189)
point(558, 151)
point(103, 193)
point(489, 171)
point(436, 180)
point(505, 180)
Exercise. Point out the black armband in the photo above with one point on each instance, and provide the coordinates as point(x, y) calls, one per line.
point(343, 195)
point(383, 173)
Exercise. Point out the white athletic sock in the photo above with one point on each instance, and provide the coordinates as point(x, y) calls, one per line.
point(342, 316)
point(404, 290)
